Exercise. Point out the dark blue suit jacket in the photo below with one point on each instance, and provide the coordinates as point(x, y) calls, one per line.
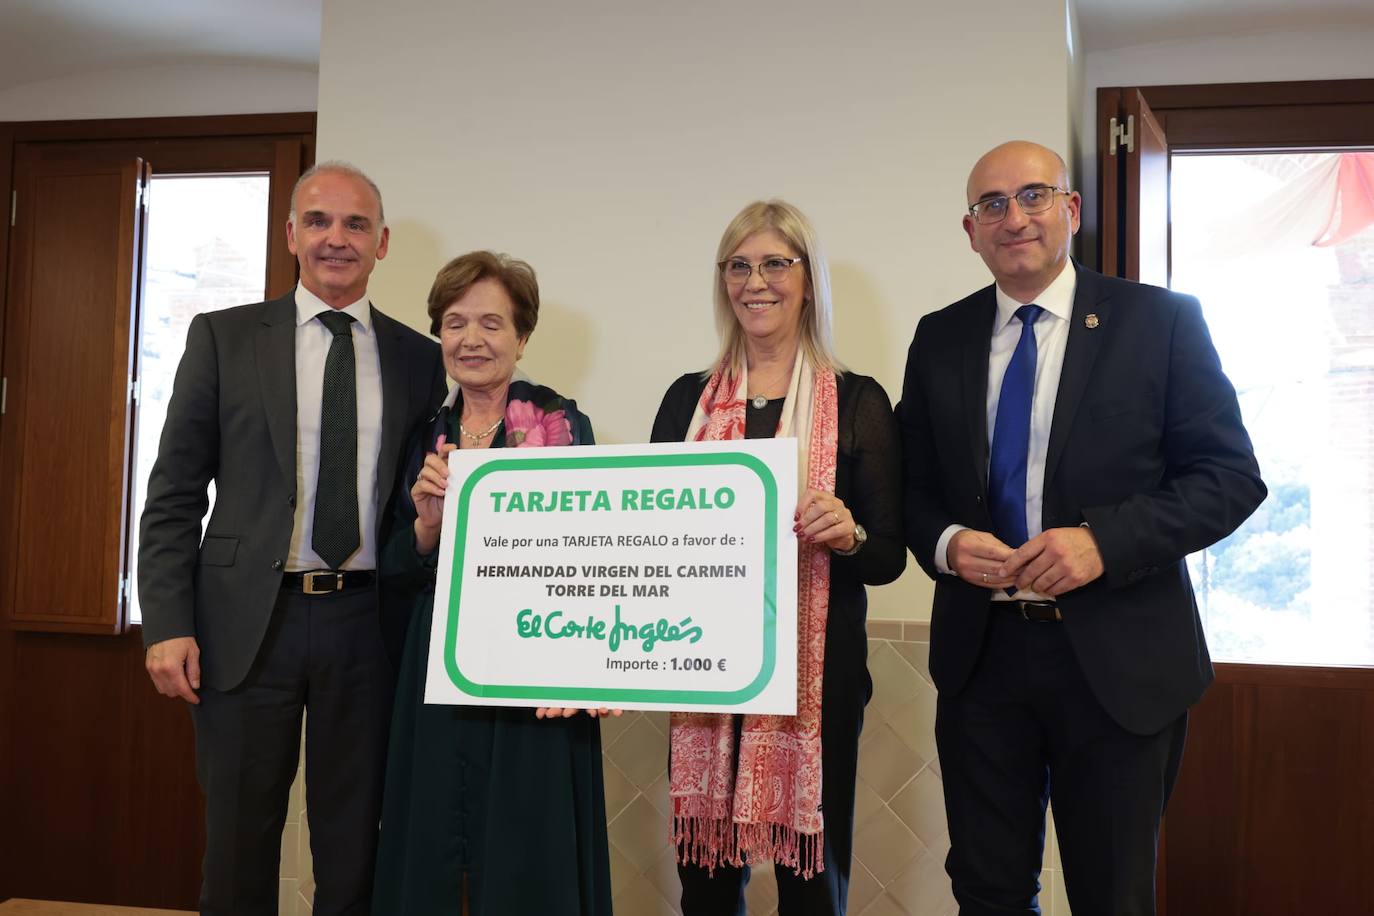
point(1146, 447)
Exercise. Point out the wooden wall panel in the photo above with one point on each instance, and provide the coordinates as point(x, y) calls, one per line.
point(100, 802)
point(1274, 810)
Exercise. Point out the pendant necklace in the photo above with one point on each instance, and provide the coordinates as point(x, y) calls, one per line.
point(478, 437)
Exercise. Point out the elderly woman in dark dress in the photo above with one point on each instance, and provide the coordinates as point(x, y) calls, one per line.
point(777, 375)
point(478, 797)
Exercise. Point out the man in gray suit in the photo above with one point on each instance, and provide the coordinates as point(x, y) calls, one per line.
point(297, 409)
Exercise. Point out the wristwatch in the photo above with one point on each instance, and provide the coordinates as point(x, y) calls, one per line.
point(860, 538)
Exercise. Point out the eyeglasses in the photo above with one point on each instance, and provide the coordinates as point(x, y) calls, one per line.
point(737, 271)
point(1031, 200)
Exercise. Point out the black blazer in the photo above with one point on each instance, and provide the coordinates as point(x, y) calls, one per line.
point(1146, 447)
point(867, 479)
point(232, 419)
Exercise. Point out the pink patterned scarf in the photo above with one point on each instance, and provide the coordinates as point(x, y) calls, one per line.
point(769, 808)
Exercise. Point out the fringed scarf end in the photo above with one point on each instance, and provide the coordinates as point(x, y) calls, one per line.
point(708, 842)
point(804, 853)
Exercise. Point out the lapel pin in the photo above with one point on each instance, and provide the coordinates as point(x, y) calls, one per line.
point(1090, 321)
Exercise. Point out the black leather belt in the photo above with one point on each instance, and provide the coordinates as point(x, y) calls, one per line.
point(1037, 611)
point(326, 581)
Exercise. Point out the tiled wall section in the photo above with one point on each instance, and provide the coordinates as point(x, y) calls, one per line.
point(296, 886)
point(900, 837)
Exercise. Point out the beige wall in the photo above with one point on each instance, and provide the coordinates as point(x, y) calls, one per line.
point(609, 143)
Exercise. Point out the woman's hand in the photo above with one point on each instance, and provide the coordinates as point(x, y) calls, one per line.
point(555, 712)
point(822, 518)
point(428, 495)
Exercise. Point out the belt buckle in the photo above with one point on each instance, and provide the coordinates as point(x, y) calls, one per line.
point(1049, 612)
point(308, 583)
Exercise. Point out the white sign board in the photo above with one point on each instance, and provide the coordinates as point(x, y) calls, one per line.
point(629, 576)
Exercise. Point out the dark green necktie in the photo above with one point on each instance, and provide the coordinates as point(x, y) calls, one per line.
point(335, 535)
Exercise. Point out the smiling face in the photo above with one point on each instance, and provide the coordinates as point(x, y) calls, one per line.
point(768, 310)
point(1025, 252)
point(336, 234)
point(478, 337)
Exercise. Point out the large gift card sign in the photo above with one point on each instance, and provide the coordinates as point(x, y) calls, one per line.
point(635, 577)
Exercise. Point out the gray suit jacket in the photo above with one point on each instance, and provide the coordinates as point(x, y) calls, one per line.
point(232, 419)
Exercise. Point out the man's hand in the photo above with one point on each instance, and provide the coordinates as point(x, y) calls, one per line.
point(174, 666)
point(1056, 561)
point(977, 557)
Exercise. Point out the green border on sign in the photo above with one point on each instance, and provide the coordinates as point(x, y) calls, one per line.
point(683, 698)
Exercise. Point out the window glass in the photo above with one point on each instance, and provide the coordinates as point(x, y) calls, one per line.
point(1279, 249)
point(207, 250)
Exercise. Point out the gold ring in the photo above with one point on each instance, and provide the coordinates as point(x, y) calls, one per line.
point(985, 577)
point(835, 517)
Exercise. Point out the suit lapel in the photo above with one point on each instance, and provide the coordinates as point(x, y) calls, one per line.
point(976, 346)
point(1079, 355)
point(276, 354)
point(395, 401)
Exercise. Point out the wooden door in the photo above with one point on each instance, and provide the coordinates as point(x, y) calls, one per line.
point(1134, 178)
point(75, 277)
point(98, 795)
point(1273, 813)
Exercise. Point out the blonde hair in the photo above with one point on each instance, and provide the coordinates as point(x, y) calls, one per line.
point(817, 336)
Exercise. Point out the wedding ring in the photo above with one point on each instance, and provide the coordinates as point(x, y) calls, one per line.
point(985, 577)
point(834, 518)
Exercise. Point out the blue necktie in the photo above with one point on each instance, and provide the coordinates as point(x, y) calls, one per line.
point(1011, 436)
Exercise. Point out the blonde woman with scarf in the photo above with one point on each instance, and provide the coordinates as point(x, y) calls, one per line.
point(751, 789)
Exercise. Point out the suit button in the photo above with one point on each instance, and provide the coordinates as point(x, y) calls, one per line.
point(277, 564)
point(978, 500)
point(291, 500)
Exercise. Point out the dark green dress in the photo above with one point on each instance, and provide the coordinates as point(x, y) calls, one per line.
point(515, 802)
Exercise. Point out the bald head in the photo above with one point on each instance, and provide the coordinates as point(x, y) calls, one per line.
point(1017, 153)
point(1024, 251)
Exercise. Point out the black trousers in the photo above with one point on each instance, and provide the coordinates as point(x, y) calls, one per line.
point(1025, 730)
point(845, 690)
point(322, 654)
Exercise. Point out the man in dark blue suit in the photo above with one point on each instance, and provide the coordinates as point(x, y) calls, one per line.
point(1069, 439)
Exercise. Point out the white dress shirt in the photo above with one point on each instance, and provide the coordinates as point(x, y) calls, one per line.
point(312, 346)
point(1051, 338)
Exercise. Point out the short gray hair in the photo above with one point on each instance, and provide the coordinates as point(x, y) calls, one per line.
point(339, 167)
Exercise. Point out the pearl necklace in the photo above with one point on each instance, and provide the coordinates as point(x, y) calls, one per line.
point(478, 437)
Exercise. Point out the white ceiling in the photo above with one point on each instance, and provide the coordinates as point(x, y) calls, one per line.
point(1107, 24)
point(43, 39)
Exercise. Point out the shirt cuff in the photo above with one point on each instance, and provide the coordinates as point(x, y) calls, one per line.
point(942, 548)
